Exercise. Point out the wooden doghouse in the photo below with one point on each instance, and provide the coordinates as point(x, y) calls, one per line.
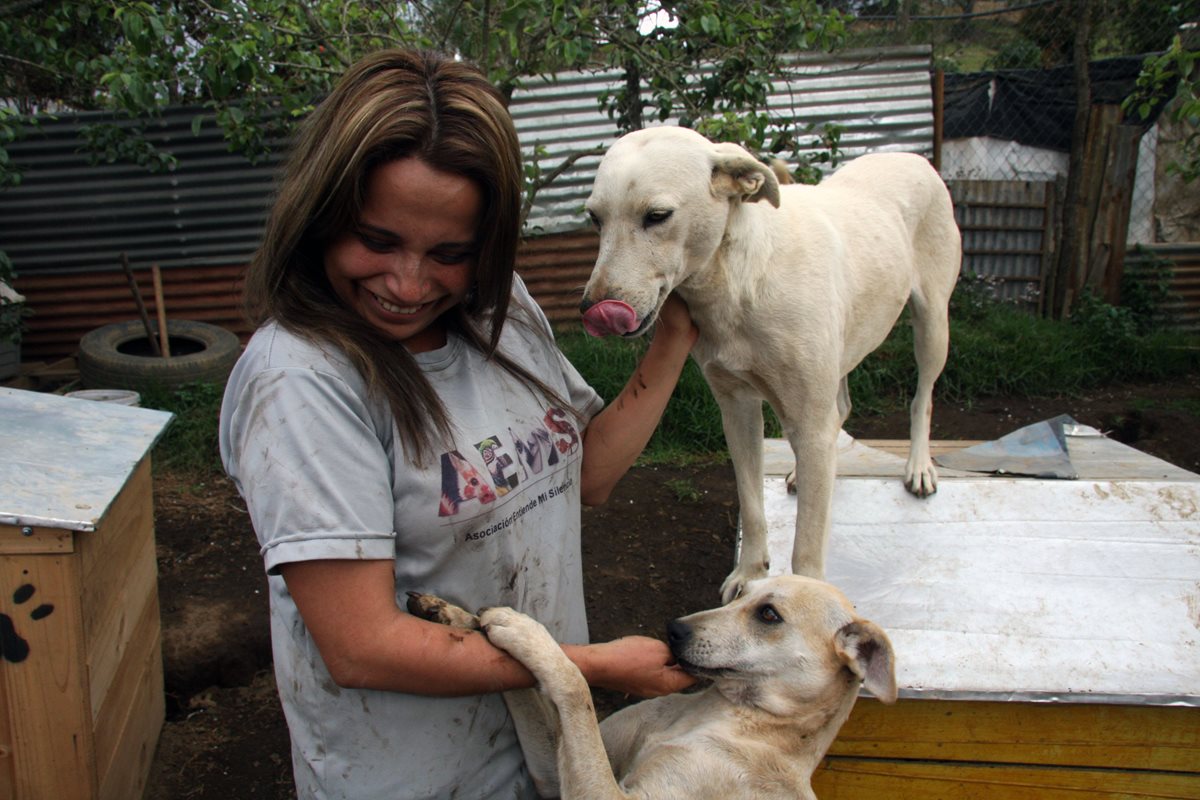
point(81, 678)
point(1047, 632)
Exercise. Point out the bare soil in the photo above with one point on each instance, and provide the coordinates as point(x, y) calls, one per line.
point(659, 548)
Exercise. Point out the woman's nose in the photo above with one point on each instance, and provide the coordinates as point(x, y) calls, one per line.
point(406, 279)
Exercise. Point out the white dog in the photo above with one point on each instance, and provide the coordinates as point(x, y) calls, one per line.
point(789, 296)
point(786, 660)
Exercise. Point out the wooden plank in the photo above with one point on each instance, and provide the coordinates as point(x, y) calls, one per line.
point(876, 779)
point(131, 718)
point(8, 767)
point(46, 684)
point(130, 515)
point(110, 637)
point(1165, 738)
point(40, 540)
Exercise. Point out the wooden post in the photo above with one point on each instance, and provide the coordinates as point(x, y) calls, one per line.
point(141, 306)
point(162, 311)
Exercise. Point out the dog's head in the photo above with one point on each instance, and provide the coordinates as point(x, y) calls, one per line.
point(661, 202)
point(787, 645)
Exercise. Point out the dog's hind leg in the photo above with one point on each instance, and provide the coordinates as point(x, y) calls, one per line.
point(843, 405)
point(931, 343)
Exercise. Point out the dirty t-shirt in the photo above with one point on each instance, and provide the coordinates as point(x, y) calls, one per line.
point(492, 520)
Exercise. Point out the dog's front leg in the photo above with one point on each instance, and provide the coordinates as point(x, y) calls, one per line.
point(535, 721)
point(742, 420)
point(583, 766)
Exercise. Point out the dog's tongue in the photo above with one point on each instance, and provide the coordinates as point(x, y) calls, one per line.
point(610, 317)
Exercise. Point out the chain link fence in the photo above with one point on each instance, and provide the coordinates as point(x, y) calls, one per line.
point(1007, 91)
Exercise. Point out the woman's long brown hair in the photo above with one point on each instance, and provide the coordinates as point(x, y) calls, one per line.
point(390, 105)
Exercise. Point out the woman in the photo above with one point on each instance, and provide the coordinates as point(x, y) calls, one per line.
point(402, 420)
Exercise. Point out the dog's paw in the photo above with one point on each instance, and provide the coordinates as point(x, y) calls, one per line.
point(921, 482)
point(435, 609)
point(735, 584)
point(521, 636)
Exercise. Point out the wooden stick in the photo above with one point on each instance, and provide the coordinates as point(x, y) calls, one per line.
point(162, 310)
point(141, 307)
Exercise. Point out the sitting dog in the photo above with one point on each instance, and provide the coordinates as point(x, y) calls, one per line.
point(785, 660)
point(790, 287)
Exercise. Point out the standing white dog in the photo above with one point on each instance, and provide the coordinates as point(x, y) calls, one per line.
point(789, 296)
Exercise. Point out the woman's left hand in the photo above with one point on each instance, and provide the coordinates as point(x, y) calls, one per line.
point(675, 321)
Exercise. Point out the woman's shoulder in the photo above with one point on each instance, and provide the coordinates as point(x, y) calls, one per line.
point(275, 348)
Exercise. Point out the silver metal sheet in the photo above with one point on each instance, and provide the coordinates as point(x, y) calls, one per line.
point(1003, 588)
point(65, 459)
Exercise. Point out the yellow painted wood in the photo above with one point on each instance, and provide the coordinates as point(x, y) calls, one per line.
point(1075, 734)
point(884, 779)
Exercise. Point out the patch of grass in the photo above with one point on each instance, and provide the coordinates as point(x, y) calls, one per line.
point(189, 445)
point(995, 350)
point(685, 491)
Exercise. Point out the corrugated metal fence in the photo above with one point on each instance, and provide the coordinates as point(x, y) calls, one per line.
point(68, 223)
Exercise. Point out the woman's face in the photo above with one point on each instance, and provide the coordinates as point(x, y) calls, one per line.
point(411, 255)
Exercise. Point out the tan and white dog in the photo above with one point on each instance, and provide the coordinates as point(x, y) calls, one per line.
point(790, 287)
point(785, 660)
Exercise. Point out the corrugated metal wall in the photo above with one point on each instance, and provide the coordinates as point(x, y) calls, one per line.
point(1183, 307)
point(883, 100)
point(1008, 231)
point(69, 222)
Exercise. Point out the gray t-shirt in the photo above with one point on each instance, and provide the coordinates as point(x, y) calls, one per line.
point(492, 520)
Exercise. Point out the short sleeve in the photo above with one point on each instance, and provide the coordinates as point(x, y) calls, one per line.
point(314, 470)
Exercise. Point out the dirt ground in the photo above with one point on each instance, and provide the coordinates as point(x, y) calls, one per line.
point(658, 549)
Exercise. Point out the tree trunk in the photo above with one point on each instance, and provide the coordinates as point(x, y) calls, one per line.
point(1069, 268)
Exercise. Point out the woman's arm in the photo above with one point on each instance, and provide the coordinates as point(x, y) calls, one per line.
point(368, 642)
point(616, 436)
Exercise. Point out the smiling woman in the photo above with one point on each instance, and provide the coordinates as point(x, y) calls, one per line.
point(402, 420)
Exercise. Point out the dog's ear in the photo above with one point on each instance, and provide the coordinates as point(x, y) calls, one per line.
point(737, 173)
point(867, 652)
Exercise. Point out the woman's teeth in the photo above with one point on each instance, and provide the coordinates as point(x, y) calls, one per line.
point(392, 308)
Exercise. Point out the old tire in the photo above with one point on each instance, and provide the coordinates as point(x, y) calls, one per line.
point(119, 356)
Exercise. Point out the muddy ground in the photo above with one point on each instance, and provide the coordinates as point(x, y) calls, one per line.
point(659, 548)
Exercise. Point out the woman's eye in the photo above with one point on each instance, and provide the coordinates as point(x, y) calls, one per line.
point(373, 244)
point(451, 258)
point(769, 615)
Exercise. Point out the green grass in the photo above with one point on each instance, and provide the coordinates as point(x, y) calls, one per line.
point(995, 350)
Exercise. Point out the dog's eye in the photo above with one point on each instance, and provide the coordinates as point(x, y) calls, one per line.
point(769, 615)
point(656, 217)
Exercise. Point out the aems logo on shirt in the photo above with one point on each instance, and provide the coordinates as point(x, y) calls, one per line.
point(537, 447)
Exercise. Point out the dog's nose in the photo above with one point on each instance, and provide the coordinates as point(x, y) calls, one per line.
point(678, 634)
point(584, 305)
